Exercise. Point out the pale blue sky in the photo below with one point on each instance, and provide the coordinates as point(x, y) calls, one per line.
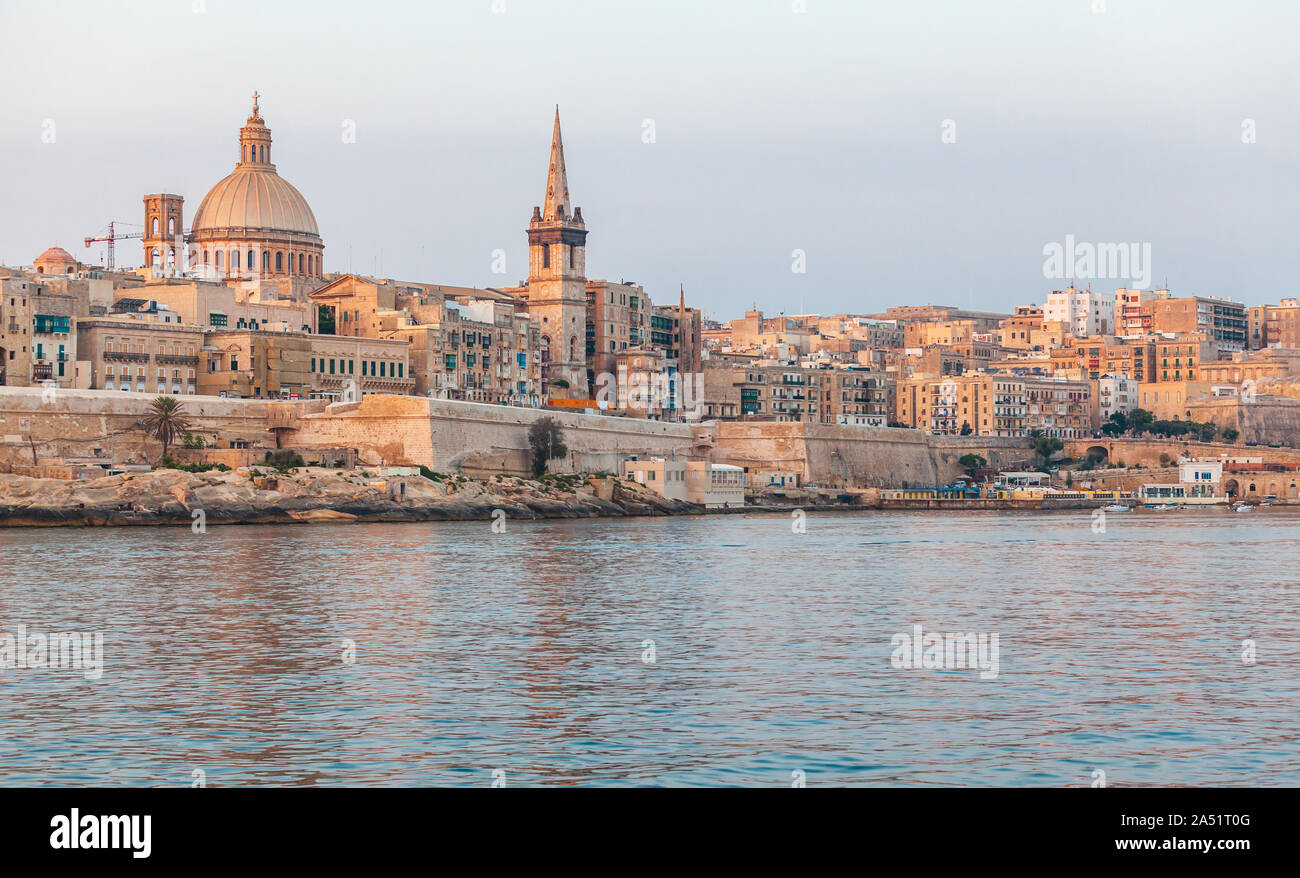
point(774, 131)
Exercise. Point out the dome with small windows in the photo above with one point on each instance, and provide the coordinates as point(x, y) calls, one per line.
point(254, 223)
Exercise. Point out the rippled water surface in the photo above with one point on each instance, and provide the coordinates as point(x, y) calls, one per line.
point(524, 652)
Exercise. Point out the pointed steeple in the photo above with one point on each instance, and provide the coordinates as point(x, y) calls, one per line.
point(556, 206)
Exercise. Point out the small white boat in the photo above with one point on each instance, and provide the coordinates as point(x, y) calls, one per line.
point(1115, 507)
point(1163, 507)
point(1242, 507)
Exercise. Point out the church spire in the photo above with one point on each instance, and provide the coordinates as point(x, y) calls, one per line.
point(556, 206)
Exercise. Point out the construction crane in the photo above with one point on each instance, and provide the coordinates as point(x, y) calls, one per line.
point(114, 235)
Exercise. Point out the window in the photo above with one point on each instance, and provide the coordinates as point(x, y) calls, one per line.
point(252, 261)
point(216, 319)
point(279, 260)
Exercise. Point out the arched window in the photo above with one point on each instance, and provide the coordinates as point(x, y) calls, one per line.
point(279, 260)
point(234, 259)
point(266, 260)
point(300, 260)
point(155, 225)
point(573, 348)
point(252, 260)
point(219, 258)
point(171, 225)
point(205, 252)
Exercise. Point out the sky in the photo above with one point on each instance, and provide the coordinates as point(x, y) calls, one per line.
point(797, 155)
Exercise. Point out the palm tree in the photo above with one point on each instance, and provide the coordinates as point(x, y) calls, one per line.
point(166, 421)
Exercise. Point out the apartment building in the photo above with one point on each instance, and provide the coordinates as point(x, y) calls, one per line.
point(1243, 366)
point(1059, 407)
point(983, 404)
point(1083, 313)
point(618, 318)
point(857, 397)
point(1222, 321)
point(1115, 393)
point(141, 354)
point(1099, 356)
point(261, 364)
point(764, 392)
point(1181, 359)
point(1271, 326)
point(38, 337)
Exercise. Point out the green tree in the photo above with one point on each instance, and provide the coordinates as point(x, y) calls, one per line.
point(546, 442)
point(1139, 421)
point(1208, 431)
point(166, 421)
point(972, 462)
point(1230, 434)
point(965, 428)
point(324, 319)
point(1115, 425)
point(1045, 446)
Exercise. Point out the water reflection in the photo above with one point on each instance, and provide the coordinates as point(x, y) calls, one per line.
point(522, 652)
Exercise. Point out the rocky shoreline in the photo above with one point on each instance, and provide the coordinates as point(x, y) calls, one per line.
point(261, 495)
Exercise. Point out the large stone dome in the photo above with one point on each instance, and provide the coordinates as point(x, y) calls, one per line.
point(254, 198)
point(254, 223)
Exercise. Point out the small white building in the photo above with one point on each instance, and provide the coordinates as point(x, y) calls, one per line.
point(1198, 482)
point(712, 485)
point(715, 485)
point(1200, 472)
point(1083, 312)
point(667, 478)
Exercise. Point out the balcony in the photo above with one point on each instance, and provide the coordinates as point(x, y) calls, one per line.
point(127, 357)
point(175, 360)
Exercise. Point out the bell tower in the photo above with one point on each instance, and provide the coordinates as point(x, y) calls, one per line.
point(164, 230)
point(557, 277)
